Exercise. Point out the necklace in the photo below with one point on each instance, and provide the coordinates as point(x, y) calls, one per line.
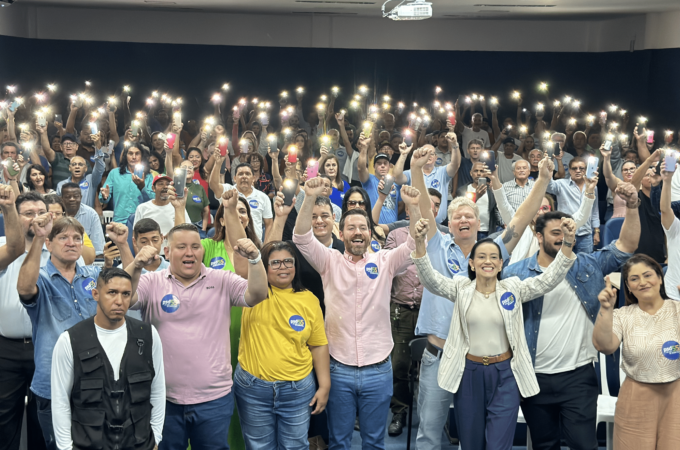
point(486, 294)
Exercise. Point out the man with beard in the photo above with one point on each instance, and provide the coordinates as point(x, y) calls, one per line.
point(357, 286)
point(160, 208)
point(559, 330)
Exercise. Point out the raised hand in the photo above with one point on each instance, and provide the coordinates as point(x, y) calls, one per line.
point(97, 140)
point(422, 227)
point(605, 153)
point(591, 184)
point(404, 149)
point(111, 253)
point(105, 191)
point(628, 193)
point(176, 202)
point(410, 195)
point(246, 248)
point(139, 182)
point(608, 295)
point(117, 232)
point(42, 225)
point(314, 187)
point(362, 143)
point(381, 185)
point(7, 197)
point(666, 176)
point(546, 167)
point(273, 154)
point(481, 190)
point(279, 208)
point(230, 199)
point(452, 139)
point(147, 255)
point(420, 157)
point(568, 227)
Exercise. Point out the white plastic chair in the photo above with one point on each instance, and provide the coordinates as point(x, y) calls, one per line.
point(606, 404)
point(107, 217)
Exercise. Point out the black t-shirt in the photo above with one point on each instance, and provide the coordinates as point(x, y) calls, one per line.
point(310, 277)
point(652, 237)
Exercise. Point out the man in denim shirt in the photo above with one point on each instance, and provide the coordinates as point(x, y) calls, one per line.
point(559, 329)
point(58, 296)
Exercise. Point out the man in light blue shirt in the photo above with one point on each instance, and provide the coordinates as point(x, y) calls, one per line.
point(88, 183)
point(569, 193)
point(88, 217)
point(58, 296)
point(449, 256)
point(435, 177)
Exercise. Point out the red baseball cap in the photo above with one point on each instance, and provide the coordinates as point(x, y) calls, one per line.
point(160, 177)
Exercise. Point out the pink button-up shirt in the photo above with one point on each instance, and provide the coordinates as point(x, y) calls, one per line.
point(357, 297)
point(193, 323)
point(406, 287)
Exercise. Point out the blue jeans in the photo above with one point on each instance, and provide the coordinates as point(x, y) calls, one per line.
point(367, 390)
point(274, 414)
point(205, 424)
point(433, 404)
point(487, 403)
point(584, 244)
point(45, 420)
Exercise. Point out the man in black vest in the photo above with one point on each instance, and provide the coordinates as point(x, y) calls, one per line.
point(108, 383)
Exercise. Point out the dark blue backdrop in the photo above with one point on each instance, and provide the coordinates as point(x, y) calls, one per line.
point(642, 81)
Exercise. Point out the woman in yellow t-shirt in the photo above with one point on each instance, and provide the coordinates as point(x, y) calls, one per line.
point(283, 346)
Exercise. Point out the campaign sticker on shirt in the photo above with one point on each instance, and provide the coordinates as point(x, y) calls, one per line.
point(254, 204)
point(89, 284)
point(340, 153)
point(508, 301)
point(531, 178)
point(84, 184)
point(196, 182)
point(217, 262)
point(92, 159)
point(297, 323)
point(438, 162)
point(372, 271)
point(375, 245)
point(671, 350)
point(170, 303)
point(435, 184)
point(454, 267)
point(196, 199)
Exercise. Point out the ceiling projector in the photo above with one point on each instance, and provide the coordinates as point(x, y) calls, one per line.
point(414, 10)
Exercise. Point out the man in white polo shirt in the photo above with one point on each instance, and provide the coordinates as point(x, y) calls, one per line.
point(260, 204)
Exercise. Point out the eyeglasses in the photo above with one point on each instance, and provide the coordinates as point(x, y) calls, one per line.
point(287, 263)
point(354, 203)
point(545, 208)
point(58, 214)
point(629, 170)
point(68, 143)
point(32, 214)
point(578, 169)
point(77, 164)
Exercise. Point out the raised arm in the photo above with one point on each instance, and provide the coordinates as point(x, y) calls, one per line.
point(418, 160)
point(45, 144)
point(582, 216)
point(363, 158)
point(377, 208)
point(281, 213)
point(604, 339)
point(527, 210)
point(214, 179)
point(71, 120)
point(454, 165)
point(398, 171)
point(641, 171)
point(235, 231)
point(146, 256)
point(27, 285)
point(629, 238)
point(609, 176)
point(15, 245)
point(432, 280)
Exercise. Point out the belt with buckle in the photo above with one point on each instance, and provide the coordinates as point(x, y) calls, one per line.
point(486, 360)
point(434, 350)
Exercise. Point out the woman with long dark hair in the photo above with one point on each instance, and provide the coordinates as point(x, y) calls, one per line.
point(357, 197)
point(291, 315)
point(195, 156)
point(157, 163)
point(37, 180)
point(262, 181)
point(330, 165)
point(486, 362)
point(647, 330)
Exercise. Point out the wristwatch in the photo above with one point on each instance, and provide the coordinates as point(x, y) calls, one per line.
point(256, 260)
point(636, 205)
point(567, 244)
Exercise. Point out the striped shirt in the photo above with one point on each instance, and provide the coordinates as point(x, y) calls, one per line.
point(651, 343)
point(510, 294)
point(515, 193)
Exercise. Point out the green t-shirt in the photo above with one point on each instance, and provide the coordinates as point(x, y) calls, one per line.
point(196, 201)
point(216, 256)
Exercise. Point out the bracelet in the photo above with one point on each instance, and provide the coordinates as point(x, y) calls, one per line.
point(256, 260)
point(589, 195)
point(636, 205)
point(568, 244)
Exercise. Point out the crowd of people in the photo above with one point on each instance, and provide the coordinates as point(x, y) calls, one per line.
point(253, 282)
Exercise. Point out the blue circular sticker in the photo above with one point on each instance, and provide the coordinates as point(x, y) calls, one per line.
point(438, 162)
point(340, 153)
point(671, 350)
point(217, 263)
point(254, 204)
point(375, 245)
point(196, 199)
point(170, 303)
point(454, 267)
point(84, 184)
point(92, 158)
point(531, 178)
point(508, 301)
point(371, 271)
point(89, 284)
point(435, 184)
point(297, 323)
point(195, 181)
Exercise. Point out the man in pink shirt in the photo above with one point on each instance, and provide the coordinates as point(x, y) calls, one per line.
point(357, 288)
point(189, 305)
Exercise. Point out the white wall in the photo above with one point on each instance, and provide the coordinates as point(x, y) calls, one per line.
point(45, 22)
point(662, 30)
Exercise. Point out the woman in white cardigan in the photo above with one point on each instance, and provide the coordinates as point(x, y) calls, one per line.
point(486, 361)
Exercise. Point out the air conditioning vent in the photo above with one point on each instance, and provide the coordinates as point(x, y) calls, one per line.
point(515, 6)
point(331, 2)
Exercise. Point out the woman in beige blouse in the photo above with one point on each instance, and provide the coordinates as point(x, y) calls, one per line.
point(486, 361)
point(648, 409)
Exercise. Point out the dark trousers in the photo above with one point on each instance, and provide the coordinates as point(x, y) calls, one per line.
point(45, 419)
point(566, 407)
point(403, 331)
point(486, 406)
point(16, 373)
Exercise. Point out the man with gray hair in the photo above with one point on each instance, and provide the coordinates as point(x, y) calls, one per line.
point(449, 256)
point(517, 189)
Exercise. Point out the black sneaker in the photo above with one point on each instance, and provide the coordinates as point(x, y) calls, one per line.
point(356, 424)
point(397, 425)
